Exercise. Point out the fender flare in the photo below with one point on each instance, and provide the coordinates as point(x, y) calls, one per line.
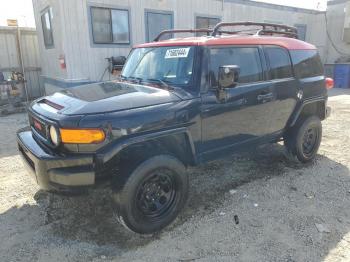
point(107, 153)
point(298, 111)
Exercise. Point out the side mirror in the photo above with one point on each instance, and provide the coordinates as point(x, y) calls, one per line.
point(228, 76)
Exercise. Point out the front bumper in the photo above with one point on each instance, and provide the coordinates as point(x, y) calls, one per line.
point(328, 111)
point(55, 172)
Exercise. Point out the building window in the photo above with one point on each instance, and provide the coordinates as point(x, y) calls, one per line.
point(301, 31)
point(47, 28)
point(110, 26)
point(247, 58)
point(280, 64)
point(156, 22)
point(206, 23)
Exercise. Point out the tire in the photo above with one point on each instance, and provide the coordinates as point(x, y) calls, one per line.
point(153, 194)
point(303, 140)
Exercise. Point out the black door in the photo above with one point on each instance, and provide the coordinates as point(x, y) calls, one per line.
point(283, 85)
point(245, 115)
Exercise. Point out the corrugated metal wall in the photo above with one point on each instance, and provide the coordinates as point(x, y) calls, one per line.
point(10, 59)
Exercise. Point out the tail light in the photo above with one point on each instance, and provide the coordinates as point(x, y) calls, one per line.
point(329, 83)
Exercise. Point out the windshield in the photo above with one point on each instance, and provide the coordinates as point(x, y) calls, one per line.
point(172, 65)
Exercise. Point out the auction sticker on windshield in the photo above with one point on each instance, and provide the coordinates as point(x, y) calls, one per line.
point(177, 52)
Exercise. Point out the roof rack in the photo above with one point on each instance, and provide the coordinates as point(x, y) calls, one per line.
point(272, 32)
point(265, 29)
point(177, 31)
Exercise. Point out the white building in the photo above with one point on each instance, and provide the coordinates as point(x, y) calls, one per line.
point(338, 31)
point(75, 36)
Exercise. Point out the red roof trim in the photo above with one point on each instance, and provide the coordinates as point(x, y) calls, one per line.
point(168, 43)
point(288, 43)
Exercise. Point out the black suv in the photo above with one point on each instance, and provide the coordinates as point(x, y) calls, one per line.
point(178, 102)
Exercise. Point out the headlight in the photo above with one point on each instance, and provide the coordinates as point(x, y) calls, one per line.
point(54, 135)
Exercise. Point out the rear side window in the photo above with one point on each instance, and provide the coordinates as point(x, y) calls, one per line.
point(280, 64)
point(307, 63)
point(247, 58)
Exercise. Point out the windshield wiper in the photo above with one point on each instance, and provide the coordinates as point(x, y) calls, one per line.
point(160, 81)
point(137, 80)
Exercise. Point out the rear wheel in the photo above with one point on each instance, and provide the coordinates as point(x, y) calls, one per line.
point(153, 195)
point(304, 139)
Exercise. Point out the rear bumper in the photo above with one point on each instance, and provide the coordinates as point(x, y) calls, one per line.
point(55, 172)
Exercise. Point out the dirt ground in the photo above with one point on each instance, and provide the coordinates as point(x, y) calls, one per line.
point(286, 211)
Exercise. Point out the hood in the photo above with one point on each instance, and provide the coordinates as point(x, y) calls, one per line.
point(105, 97)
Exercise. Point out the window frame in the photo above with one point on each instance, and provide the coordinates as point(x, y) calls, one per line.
point(108, 44)
point(268, 64)
point(219, 18)
point(263, 63)
point(47, 10)
point(316, 54)
point(159, 12)
point(305, 28)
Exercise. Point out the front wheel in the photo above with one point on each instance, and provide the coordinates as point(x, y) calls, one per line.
point(304, 139)
point(153, 194)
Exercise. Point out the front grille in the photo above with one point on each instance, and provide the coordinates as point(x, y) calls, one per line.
point(39, 126)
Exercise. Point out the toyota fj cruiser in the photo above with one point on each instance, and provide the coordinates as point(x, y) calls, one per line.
point(178, 102)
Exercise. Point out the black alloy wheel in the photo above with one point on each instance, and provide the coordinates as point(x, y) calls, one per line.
point(304, 138)
point(310, 139)
point(156, 195)
point(154, 192)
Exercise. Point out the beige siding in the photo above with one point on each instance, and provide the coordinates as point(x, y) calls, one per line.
point(8, 55)
point(49, 57)
point(316, 34)
point(336, 17)
point(10, 61)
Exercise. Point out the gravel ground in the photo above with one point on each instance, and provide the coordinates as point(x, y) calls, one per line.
point(286, 211)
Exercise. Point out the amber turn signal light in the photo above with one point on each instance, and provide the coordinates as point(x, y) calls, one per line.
point(329, 83)
point(82, 136)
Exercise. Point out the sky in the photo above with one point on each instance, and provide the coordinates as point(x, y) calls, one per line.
point(310, 4)
point(22, 10)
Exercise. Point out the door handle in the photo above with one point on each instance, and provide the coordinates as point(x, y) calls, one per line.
point(265, 97)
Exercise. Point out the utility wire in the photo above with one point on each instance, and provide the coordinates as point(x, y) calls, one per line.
point(331, 40)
